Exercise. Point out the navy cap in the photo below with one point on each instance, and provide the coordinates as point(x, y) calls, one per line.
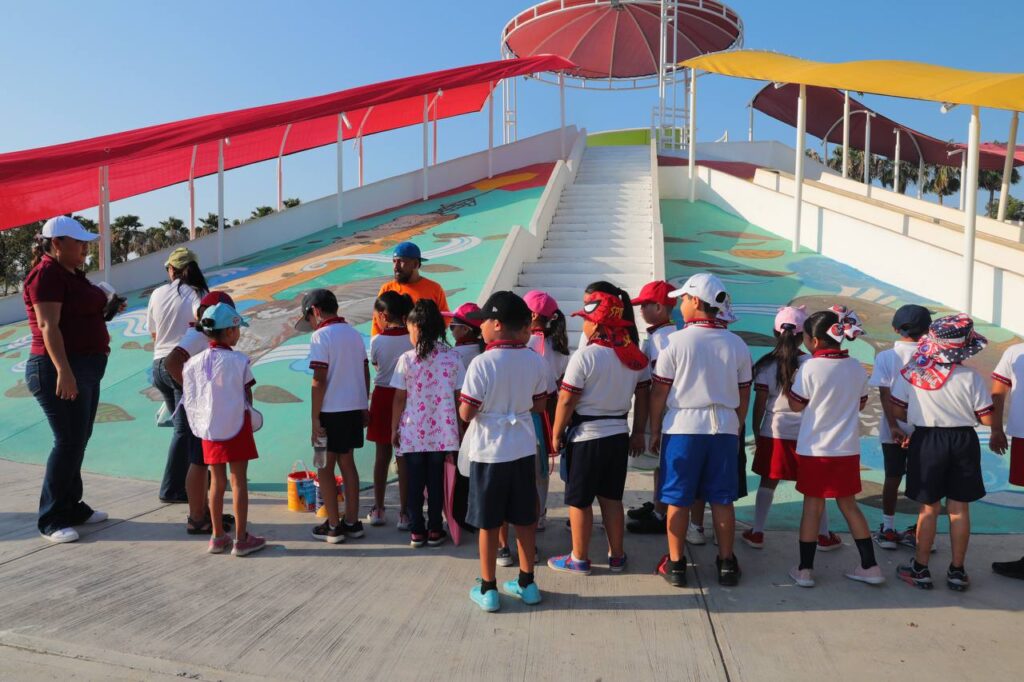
point(407, 250)
point(912, 318)
point(504, 306)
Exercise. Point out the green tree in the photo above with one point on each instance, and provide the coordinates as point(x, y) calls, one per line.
point(174, 230)
point(943, 181)
point(993, 180)
point(812, 154)
point(208, 224)
point(1014, 208)
point(16, 255)
point(261, 211)
point(125, 237)
point(291, 203)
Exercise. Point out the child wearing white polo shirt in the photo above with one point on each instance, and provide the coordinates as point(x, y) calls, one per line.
point(830, 389)
point(943, 401)
point(503, 386)
point(1007, 383)
point(465, 332)
point(703, 378)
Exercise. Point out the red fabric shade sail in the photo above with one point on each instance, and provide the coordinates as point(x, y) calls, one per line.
point(40, 183)
point(825, 117)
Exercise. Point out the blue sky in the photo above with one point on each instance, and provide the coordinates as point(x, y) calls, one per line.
point(79, 69)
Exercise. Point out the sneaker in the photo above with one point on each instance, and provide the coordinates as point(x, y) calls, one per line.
point(529, 595)
point(487, 601)
point(616, 564)
point(643, 511)
point(436, 537)
point(1010, 569)
point(728, 571)
point(871, 576)
point(917, 577)
point(542, 522)
point(804, 577)
point(62, 535)
point(403, 522)
point(888, 538)
point(566, 564)
point(251, 543)
point(956, 579)
point(829, 543)
point(351, 530)
point(695, 535)
point(417, 540)
point(97, 517)
point(219, 545)
point(376, 516)
point(909, 538)
point(648, 525)
point(676, 577)
point(334, 535)
point(505, 556)
point(755, 540)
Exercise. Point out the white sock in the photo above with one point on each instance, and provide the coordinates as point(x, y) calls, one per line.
point(823, 524)
point(761, 506)
point(888, 522)
point(658, 515)
point(695, 526)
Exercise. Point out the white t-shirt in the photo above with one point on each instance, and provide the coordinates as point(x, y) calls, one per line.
point(705, 367)
point(779, 421)
point(338, 348)
point(502, 383)
point(170, 311)
point(656, 341)
point(555, 361)
point(467, 351)
point(1010, 371)
point(605, 387)
point(213, 392)
point(887, 368)
point(960, 401)
point(193, 342)
point(833, 390)
point(385, 349)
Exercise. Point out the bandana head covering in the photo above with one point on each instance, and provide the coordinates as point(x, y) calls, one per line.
point(848, 326)
point(606, 311)
point(950, 340)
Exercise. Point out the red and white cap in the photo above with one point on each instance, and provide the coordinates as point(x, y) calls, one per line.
point(460, 315)
point(708, 288)
point(659, 292)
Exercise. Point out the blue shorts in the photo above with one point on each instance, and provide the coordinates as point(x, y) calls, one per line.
point(698, 466)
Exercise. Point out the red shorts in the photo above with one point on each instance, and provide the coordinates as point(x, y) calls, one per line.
point(829, 477)
point(240, 448)
point(1017, 461)
point(381, 401)
point(775, 458)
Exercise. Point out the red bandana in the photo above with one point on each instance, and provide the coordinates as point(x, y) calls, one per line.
point(333, 320)
point(394, 331)
point(218, 344)
point(627, 352)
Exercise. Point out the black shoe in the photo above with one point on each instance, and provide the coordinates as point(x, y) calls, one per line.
point(728, 571)
point(674, 572)
point(956, 579)
point(181, 498)
point(641, 512)
point(1010, 569)
point(328, 533)
point(648, 525)
point(351, 530)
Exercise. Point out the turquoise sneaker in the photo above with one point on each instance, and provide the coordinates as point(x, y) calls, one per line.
point(529, 595)
point(566, 564)
point(488, 601)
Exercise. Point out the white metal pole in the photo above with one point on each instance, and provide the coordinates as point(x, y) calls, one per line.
point(561, 113)
point(867, 152)
point(341, 168)
point(798, 188)
point(192, 195)
point(104, 216)
point(692, 154)
point(280, 168)
point(846, 133)
point(359, 146)
point(963, 180)
point(220, 201)
point(425, 145)
point(920, 176)
point(663, 26)
point(750, 124)
point(896, 165)
point(971, 206)
point(434, 163)
point(1011, 149)
point(490, 133)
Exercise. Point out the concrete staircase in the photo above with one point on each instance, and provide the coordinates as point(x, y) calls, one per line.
point(602, 230)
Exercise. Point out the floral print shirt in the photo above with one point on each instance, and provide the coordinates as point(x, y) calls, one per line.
point(429, 422)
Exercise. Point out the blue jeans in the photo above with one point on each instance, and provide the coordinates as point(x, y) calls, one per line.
point(424, 469)
point(184, 445)
point(60, 502)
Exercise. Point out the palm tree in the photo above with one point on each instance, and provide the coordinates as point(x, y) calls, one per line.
point(174, 230)
point(856, 167)
point(812, 154)
point(208, 224)
point(124, 237)
point(993, 180)
point(291, 203)
point(943, 181)
point(261, 211)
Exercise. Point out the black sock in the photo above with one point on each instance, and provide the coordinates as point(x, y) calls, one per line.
point(807, 550)
point(486, 585)
point(525, 579)
point(953, 567)
point(917, 566)
point(867, 552)
point(676, 565)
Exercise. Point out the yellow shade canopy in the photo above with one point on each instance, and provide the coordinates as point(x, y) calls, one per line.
point(913, 80)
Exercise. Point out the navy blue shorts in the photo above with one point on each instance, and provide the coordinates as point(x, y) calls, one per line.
point(944, 463)
point(699, 466)
point(596, 468)
point(344, 430)
point(503, 492)
point(895, 458)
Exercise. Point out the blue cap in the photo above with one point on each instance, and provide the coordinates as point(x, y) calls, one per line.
point(407, 250)
point(221, 316)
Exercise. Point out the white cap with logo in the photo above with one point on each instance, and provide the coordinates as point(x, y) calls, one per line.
point(63, 226)
point(708, 288)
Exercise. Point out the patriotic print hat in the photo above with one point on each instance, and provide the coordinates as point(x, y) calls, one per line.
point(950, 340)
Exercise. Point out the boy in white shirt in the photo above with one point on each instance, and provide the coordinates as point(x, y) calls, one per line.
point(1007, 382)
point(703, 377)
point(503, 385)
point(340, 399)
point(943, 401)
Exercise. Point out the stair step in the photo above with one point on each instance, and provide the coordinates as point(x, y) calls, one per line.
point(600, 230)
point(629, 282)
point(569, 250)
point(624, 265)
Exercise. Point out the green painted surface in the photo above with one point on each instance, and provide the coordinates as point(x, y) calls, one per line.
point(762, 274)
point(618, 138)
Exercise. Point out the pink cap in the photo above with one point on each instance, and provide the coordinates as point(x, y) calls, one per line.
point(540, 303)
point(460, 315)
point(792, 317)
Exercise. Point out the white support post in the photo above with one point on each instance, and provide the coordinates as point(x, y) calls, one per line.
point(692, 137)
point(846, 133)
point(896, 165)
point(798, 188)
point(662, 48)
point(220, 201)
point(192, 195)
point(1011, 150)
point(425, 145)
point(750, 124)
point(867, 153)
point(971, 206)
point(963, 180)
point(490, 132)
point(104, 216)
point(340, 219)
point(561, 114)
point(434, 162)
point(280, 168)
point(359, 148)
point(920, 176)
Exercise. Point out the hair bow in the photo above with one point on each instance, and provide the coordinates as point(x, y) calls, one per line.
point(848, 326)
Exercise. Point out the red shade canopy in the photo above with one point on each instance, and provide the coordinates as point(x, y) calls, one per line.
point(609, 39)
point(825, 117)
point(40, 183)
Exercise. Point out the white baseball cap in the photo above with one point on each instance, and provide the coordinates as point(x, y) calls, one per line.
point(708, 288)
point(63, 226)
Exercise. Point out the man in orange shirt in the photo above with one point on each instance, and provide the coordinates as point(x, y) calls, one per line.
point(407, 260)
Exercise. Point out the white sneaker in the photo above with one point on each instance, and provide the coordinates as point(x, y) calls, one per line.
point(695, 535)
point(376, 516)
point(803, 577)
point(542, 523)
point(97, 517)
point(403, 521)
point(61, 536)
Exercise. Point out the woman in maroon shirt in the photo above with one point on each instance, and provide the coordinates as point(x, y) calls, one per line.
point(70, 344)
